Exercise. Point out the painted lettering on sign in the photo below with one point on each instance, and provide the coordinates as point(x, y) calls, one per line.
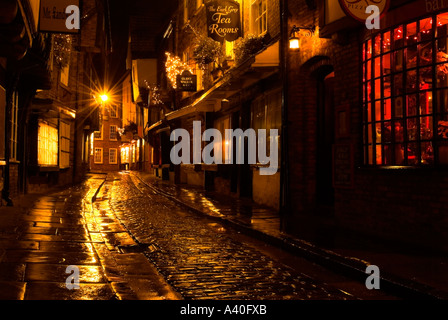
point(223, 20)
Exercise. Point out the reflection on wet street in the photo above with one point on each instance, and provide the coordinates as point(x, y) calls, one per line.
point(38, 245)
point(199, 257)
point(132, 243)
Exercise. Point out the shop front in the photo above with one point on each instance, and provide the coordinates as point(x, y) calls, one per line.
point(388, 111)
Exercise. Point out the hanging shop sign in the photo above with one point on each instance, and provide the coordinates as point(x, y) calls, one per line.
point(187, 81)
point(59, 16)
point(223, 20)
point(357, 8)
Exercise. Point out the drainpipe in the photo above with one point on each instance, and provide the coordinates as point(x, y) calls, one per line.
point(6, 182)
point(284, 171)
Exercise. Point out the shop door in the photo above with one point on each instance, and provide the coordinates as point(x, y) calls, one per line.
point(325, 141)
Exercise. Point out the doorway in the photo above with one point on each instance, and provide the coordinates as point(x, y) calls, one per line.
point(325, 140)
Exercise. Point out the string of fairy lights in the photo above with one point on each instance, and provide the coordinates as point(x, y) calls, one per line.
point(175, 66)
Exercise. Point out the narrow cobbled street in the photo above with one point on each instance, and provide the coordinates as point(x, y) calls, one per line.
point(199, 257)
point(129, 242)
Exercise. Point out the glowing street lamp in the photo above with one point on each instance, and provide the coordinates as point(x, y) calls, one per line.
point(104, 97)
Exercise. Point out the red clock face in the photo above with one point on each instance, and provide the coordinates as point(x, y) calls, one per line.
point(357, 8)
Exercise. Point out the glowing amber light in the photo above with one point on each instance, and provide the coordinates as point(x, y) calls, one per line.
point(104, 97)
point(294, 43)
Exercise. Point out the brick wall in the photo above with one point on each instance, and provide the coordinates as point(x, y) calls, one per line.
point(107, 144)
point(403, 204)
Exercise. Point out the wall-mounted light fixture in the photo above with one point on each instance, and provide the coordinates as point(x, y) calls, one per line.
point(294, 41)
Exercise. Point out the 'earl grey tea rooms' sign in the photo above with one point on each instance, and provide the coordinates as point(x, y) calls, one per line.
point(223, 20)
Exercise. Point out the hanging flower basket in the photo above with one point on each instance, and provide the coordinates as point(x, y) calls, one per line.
point(207, 51)
point(246, 47)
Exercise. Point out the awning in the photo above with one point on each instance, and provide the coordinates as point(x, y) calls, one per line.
point(48, 108)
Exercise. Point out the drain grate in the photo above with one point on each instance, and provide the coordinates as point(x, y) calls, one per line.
point(139, 248)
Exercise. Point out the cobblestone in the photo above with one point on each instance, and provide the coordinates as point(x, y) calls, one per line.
point(200, 262)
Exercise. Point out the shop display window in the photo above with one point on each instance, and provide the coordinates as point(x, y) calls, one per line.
point(405, 94)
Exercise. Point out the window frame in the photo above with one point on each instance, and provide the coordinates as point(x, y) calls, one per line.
point(115, 131)
point(100, 132)
point(64, 144)
point(96, 149)
point(113, 111)
point(404, 129)
point(116, 156)
point(46, 140)
point(256, 16)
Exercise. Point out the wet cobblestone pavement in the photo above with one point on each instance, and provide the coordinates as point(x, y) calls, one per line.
point(131, 243)
point(198, 256)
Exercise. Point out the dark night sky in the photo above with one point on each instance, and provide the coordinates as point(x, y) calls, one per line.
point(120, 12)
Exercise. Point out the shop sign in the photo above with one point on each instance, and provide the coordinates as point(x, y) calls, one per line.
point(187, 81)
point(59, 16)
point(223, 20)
point(357, 8)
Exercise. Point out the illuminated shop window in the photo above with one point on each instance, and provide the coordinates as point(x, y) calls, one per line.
point(48, 145)
point(405, 94)
point(64, 148)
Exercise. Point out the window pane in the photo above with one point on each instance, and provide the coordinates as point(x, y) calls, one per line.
point(412, 129)
point(386, 86)
point(425, 78)
point(427, 153)
point(411, 84)
point(377, 89)
point(378, 132)
point(369, 48)
point(386, 63)
point(387, 109)
point(411, 33)
point(399, 154)
point(443, 130)
point(425, 29)
point(387, 152)
point(398, 37)
point(442, 78)
point(369, 69)
point(442, 50)
point(377, 67)
point(413, 154)
point(377, 46)
point(369, 112)
point(426, 103)
point(379, 159)
point(442, 21)
point(378, 111)
point(425, 53)
point(386, 42)
point(411, 57)
point(398, 84)
point(398, 60)
point(426, 128)
point(398, 131)
point(369, 91)
point(411, 105)
point(442, 100)
point(398, 104)
point(387, 132)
